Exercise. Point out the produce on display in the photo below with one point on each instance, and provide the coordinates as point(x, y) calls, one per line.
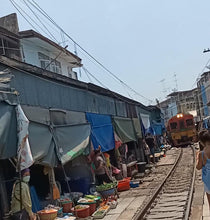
point(106, 186)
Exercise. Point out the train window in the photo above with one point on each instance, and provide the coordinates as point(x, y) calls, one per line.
point(189, 122)
point(173, 125)
point(181, 124)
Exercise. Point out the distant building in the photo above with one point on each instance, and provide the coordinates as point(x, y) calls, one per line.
point(33, 48)
point(168, 108)
point(181, 102)
point(203, 85)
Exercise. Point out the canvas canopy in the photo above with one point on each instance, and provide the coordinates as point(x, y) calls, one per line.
point(52, 139)
point(158, 128)
point(8, 130)
point(137, 127)
point(49, 142)
point(124, 129)
point(145, 120)
point(102, 132)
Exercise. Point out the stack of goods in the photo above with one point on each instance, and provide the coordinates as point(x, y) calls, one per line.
point(90, 205)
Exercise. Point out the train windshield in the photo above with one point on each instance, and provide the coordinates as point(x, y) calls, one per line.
point(189, 122)
point(181, 124)
point(173, 125)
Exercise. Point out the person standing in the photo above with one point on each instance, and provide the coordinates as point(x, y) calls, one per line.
point(151, 143)
point(203, 162)
point(26, 212)
point(200, 138)
point(100, 168)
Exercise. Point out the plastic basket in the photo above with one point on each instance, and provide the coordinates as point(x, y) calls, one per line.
point(91, 204)
point(67, 205)
point(124, 184)
point(82, 213)
point(47, 216)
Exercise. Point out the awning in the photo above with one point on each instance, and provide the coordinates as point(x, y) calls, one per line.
point(124, 129)
point(72, 140)
point(145, 120)
point(49, 142)
point(158, 128)
point(102, 132)
point(137, 127)
point(8, 131)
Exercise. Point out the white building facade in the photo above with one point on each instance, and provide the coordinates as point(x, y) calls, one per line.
point(44, 53)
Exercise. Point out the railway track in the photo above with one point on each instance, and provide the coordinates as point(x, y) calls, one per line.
point(172, 199)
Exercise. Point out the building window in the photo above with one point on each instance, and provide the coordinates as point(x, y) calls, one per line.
point(55, 66)
point(69, 72)
point(49, 64)
point(44, 61)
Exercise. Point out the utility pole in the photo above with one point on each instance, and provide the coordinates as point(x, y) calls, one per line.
point(176, 81)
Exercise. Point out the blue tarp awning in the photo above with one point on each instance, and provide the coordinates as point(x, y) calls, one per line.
point(101, 131)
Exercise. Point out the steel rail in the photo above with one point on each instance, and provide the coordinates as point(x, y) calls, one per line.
point(142, 212)
point(188, 209)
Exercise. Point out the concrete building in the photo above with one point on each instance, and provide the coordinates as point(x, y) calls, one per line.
point(181, 102)
point(168, 108)
point(33, 48)
point(203, 85)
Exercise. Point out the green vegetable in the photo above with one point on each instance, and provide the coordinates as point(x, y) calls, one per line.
point(106, 186)
point(99, 213)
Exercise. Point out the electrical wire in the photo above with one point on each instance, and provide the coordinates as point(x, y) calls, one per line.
point(23, 15)
point(87, 75)
point(15, 4)
point(34, 4)
point(99, 63)
point(52, 36)
point(198, 77)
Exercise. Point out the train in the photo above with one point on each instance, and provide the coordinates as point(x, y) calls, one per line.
point(181, 129)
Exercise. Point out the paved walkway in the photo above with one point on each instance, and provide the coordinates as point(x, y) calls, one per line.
point(206, 213)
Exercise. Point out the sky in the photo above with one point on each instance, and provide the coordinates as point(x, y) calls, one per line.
point(144, 43)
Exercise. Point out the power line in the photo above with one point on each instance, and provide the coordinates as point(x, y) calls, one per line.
point(104, 86)
point(15, 4)
point(88, 75)
point(23, 15)
point(201, 73)
point(99, 63)
point(40, 21)
point(34, 4)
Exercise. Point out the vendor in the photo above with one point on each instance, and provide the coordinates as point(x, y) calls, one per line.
point(101, 170)
point(26, 198)
point(151, 143)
